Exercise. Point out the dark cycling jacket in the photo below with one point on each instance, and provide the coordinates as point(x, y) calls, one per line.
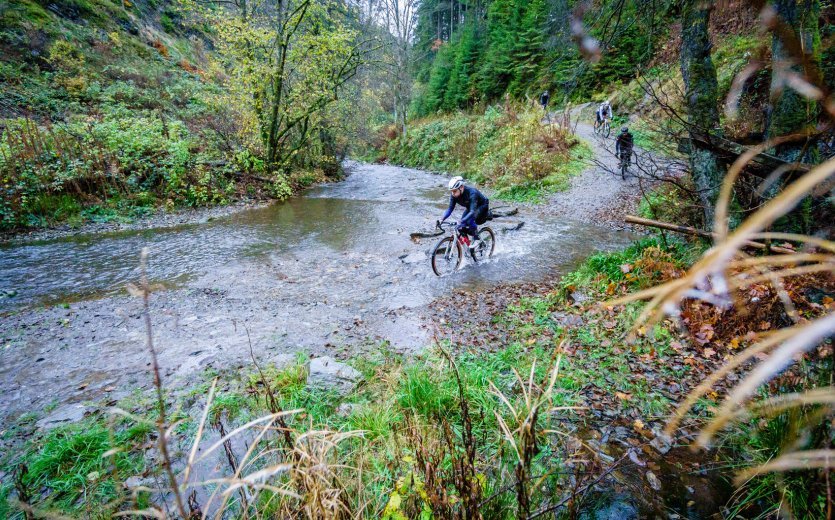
point(473, 201)
point(624, 143)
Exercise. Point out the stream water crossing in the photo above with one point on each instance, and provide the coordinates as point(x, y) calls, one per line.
point(331, 271)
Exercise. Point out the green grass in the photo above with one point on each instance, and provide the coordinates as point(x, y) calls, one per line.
point(509, 151)
point(68, 464)
point(558, 180)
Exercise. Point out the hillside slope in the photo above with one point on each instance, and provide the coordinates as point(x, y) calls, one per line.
point(110, 111)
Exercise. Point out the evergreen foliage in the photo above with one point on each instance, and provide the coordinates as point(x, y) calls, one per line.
point(471, 53)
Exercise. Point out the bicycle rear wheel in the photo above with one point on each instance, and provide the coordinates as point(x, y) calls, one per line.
point(446, 256)
point(487, 245)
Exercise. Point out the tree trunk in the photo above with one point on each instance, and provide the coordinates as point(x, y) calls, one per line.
point(701, 92)
point(789, 112)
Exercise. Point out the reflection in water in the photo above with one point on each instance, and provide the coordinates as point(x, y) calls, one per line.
point(364, 221)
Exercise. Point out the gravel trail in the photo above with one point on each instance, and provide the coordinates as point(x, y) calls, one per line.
point(597, 196)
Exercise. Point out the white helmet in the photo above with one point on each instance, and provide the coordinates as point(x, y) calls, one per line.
point(456, 182)
point(606, 102)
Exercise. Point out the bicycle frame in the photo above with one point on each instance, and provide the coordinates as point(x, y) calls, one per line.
point(600, 125)
point(456, 236)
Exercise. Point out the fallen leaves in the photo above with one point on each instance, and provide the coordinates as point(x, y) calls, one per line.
point(623, 396)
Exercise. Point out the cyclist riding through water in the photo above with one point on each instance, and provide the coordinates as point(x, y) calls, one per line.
point(476, 208)
point(604, 111)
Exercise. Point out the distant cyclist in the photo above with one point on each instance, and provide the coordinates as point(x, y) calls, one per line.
point(476, 208)
point(604, 112)
point(544, 99)
point(623, 145)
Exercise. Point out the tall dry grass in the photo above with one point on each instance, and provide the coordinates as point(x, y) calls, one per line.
point(725, 271)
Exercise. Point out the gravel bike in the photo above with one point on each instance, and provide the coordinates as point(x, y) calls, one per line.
point(625, 161)
point(448, 252)
point(604, 128)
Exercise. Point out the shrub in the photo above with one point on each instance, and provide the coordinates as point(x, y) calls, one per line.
point(508, 150)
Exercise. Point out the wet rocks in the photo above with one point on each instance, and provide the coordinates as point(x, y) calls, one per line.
point(565, 319)
point(346, 409)
point(662, 442)
point(578, 297)
point(64, 415)
point(653, 481)
point(137, 481)
point(618, 507)
point(517, 227)
point(328, 374)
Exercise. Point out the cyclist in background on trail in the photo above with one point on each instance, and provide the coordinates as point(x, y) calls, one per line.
point(623, 145)
point(476, 208)
point(544, 99)
point(604, 111)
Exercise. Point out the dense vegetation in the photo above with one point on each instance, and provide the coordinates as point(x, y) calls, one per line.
point(111, 110)
point(469, 53)
point(506, 149)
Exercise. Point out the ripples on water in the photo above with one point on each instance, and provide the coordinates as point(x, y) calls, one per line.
point(366, 218)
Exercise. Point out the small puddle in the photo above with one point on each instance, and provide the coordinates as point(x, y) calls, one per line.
point(646, 483)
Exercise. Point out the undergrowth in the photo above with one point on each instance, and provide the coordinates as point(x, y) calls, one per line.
point(505, 148)
point(107, 116)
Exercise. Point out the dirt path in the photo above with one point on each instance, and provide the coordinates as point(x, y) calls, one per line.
point(599, 196)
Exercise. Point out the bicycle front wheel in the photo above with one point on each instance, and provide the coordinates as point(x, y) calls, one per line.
point(607, 129)
point(624, 167)
point(487, 245)
point(446, 256)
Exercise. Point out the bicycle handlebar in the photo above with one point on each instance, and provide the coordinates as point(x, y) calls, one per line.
point(441, 225)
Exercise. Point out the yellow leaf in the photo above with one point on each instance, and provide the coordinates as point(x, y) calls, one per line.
point(394, 503)
point(623, 396)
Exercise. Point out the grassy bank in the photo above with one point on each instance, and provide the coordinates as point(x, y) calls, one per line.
point(418, 417)
point(507, 149)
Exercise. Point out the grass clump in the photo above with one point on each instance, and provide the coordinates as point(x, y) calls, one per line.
point(81, 466)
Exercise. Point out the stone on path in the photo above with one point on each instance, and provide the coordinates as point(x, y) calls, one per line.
point(653, 481)
point(328, 374)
